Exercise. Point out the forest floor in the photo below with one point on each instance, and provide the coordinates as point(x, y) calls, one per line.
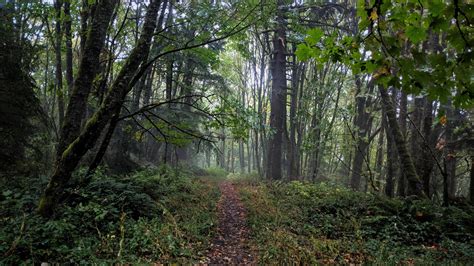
point(230, 245)
point(174, 216)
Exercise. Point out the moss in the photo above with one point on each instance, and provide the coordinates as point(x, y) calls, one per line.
point(45, 205)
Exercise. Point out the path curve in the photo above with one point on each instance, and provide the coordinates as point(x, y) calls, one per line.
point(230, 246)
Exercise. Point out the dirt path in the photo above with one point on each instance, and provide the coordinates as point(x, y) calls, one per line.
point(230, 245)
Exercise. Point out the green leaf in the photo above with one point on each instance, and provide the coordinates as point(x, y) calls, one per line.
point(314, 36)
point(436, 7)
point(303, 52)
point(415, 34)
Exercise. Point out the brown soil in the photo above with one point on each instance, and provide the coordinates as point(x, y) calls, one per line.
point(230, 246)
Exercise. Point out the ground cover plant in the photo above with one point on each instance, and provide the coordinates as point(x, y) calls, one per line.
point(150, 216)
point(308, 223)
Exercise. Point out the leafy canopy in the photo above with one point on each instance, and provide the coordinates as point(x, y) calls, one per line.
point(421, 47)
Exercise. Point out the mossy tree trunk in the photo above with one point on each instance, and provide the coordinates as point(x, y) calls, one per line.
point(87, 71)
point(406, 161)
point(69, 159)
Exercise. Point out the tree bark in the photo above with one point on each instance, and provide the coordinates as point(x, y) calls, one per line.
point(362, 123)
point(403, 127)
point(68, 35)
point(59, 72)
point(471, 185)
point(278, 98)
point(391, 157)
point(380, 150)
point(414, 183)
point(293, 108)
point(427, 161)
point(450, 154)
point(416, 140)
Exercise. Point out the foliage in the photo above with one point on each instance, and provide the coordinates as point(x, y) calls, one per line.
point(401, 44)
point(160, 215)
point(321, 223)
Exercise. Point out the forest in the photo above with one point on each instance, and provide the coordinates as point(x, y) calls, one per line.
point(237, 132)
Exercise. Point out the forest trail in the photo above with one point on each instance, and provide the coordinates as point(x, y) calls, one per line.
point(230, 246)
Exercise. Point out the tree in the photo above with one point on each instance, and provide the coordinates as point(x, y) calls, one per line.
point(76, 148)
point(278, 97)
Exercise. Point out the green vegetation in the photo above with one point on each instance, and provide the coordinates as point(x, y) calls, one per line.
point(310, 223)
point(346, 126)
point(151, 216)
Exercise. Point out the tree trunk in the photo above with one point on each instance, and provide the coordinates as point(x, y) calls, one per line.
point(186, 90)
point(231, 156)
point(403, 128)
point(414, 183)
point(427, 161)
point(416, 140)
point(293, 108)
point(379, 153)
point(316, 140)
point(391, 158)
point(68, 35)
point(362, 123)
point(103, 146)
point(450, 154)
point(59, 72)
point(113, 101)
point(278, 98)
point(249, 156)
point(241, 156)
point(87, 72)
point(223, 148)
point(471, 185)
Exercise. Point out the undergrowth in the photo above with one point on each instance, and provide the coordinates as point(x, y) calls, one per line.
point(319, 223)
point(151, 216)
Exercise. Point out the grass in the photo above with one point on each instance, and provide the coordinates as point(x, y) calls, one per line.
point(318, 223)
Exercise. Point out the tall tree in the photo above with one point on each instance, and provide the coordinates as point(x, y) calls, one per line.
point(278, 96)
